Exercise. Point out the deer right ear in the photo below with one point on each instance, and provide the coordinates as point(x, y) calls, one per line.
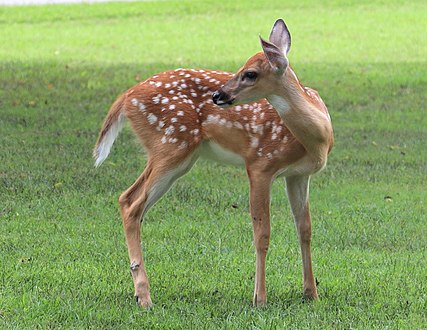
point(275, 56)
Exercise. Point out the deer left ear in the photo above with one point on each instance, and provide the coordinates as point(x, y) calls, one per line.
point(275, 56)
point(280, 36)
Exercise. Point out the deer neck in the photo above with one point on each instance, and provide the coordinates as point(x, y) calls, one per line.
point(304, 116)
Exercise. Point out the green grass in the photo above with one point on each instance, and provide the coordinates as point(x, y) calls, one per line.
point(63, 259)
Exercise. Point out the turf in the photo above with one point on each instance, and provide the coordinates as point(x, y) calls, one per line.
point(63, 259)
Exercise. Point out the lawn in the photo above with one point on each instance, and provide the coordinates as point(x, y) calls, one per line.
point(63, 257)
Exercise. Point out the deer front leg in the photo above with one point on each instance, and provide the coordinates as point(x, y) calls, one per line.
point(260, 211)
point(297, 188)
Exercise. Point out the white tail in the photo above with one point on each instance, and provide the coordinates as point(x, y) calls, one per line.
point(113, 124)
point(174, 115)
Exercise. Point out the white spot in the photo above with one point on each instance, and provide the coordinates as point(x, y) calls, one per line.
point(180, 113)
point(167, 85)
point(164, 139)
point(197, 80)
point(169, 130)
point(274, 136)
point(174, 83)
point(285, 139)
point(195, 131)
point(151, 118)
point(182, 128)
point(194, 94)
point(254, 142)
point(158, 84)
point(171, 92)
point(161, 123)
point(238, 108)
point(174, 120)
point(165, 100)
point(134, 102)
point(183, 145)
point(141, 107)
point(183, 86)
point(173, 140)
point(172, 106)
point(187, 75)
point(156, 99)
point(269, 156)
point(211, 119)
point(238, 125)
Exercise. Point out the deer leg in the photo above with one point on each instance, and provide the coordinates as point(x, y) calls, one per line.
point(153, 183)
point(298, 190)
point(260, 185)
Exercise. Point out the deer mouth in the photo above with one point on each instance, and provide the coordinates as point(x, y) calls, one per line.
point(224, 104)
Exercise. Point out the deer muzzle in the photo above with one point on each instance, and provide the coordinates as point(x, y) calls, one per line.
point(222, 99)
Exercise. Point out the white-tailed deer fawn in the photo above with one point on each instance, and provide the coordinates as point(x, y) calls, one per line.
point(178, 117)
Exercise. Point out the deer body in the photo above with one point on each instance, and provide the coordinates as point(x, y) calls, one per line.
point(176, 119)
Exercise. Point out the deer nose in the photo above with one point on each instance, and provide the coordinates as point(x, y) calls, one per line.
point(216, 96)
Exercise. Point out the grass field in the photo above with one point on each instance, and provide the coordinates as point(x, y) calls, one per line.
point(63, 258)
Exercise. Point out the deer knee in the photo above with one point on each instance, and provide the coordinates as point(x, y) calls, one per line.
point(304, 232)
point(262, 242)
point(124, 200)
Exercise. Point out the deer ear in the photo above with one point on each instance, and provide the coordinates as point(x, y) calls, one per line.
point(280, 36)
point(275, 56)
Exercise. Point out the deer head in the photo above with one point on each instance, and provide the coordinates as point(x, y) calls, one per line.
point(261, 75)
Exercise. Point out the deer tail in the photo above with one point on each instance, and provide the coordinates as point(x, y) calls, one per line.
point(111, 128)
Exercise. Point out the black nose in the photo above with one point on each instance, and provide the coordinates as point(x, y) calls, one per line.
point(216, 96)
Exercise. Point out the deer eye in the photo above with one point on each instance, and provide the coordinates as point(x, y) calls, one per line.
point(250, 75)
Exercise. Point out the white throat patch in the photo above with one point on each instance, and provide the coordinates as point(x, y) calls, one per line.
point(280, 104)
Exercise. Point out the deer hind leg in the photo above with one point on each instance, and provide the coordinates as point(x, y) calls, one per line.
point(297, 188)
point(154, 182)
point(260, 185)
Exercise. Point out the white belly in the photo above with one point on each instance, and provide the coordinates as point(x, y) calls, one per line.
point(213, 151)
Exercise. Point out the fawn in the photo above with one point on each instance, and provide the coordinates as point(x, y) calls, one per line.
point(273, 125)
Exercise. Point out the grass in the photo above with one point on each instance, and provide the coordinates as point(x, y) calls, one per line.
point(62, 252)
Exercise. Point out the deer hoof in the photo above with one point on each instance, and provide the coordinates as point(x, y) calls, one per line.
point(310, 295)
point(144, 302)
